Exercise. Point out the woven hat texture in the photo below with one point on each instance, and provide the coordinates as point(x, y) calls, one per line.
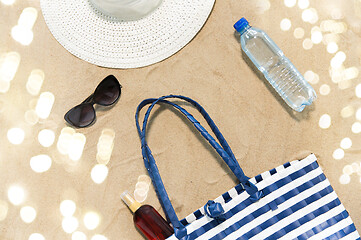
point(108, 42)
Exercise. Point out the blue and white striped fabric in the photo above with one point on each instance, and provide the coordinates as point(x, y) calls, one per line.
point(293, 201)
point(307, 208)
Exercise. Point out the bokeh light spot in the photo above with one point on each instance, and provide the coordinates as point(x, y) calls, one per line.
point(99, 173)
point(356, 127)
point(16, 195)
point(8, 2)
point(78, 236)
point(358, 90)
point(350, 73)
point(311, 77)
point(46, 137)
point(338, 154)
point(344, 84)
point(105, 146)
point(144, 178)
point(290, 3)
point(65, 139)
point(9, 67)
point(345, 179)
point(142, 185)
point(77, 146)
point(91, 220)
point(347, 111)
point(338, 59)
point(262, 6)
point(22, 35)
point(325, 121)
point(28, 214)
point(16, 135)
point(35, 81)
point(140, 194)
point(70, 224)
point(45, 104)
point(307, 44)
point(358, 114)
point(347, 170)
point(3, 210)
point(356, 167)
point(28, 17)
point(325, 89)
point(332, 47)
point(36, 236)
point(99, 237)
point(67, 208)
point(299, 33)
point(341, 56)
point(40, 163)
point(303, 4)
point(4, 86)
point(346, 143)
point(307, 15)
point(316, 37)
point(285, 24)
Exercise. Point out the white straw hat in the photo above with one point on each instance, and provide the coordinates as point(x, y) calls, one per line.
point(109, 42)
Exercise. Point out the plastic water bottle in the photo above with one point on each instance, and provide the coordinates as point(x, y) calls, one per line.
point(278, 70)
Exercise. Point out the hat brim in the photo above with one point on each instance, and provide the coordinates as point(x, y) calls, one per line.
point(105, 41)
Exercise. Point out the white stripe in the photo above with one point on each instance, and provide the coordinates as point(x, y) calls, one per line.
point(280, 168)
point(172, 238)
point(290, 202)
point(333, 229)
point(191, 218)
point(266, 175)
point(233, 193)
point(352, 236)
point(314, 222)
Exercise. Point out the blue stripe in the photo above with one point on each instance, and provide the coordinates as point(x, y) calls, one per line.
point(303, 220)
point(226, 197)
point(184, 222)
point(319, 228)
point(258, 178)
point(259, 211)
point(239, 188)
point(198, 214)
point(286, 165)
point(342, 233)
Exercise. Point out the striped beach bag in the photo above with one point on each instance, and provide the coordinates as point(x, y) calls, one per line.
point(292, 201)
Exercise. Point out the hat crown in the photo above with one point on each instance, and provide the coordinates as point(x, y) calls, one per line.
point(127, 10)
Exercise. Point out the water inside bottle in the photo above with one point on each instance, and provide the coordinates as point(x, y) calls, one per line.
point(280, 72)
point(263, 55)
point(288, 83)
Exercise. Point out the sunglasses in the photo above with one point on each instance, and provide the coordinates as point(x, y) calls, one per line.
point(107, 93)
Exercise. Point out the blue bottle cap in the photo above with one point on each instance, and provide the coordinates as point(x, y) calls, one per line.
point(241, 25)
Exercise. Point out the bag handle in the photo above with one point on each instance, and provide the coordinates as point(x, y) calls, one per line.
point(225, 152)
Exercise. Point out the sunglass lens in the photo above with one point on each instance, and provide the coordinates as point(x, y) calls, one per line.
point(81, 116)
point(107, 92)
